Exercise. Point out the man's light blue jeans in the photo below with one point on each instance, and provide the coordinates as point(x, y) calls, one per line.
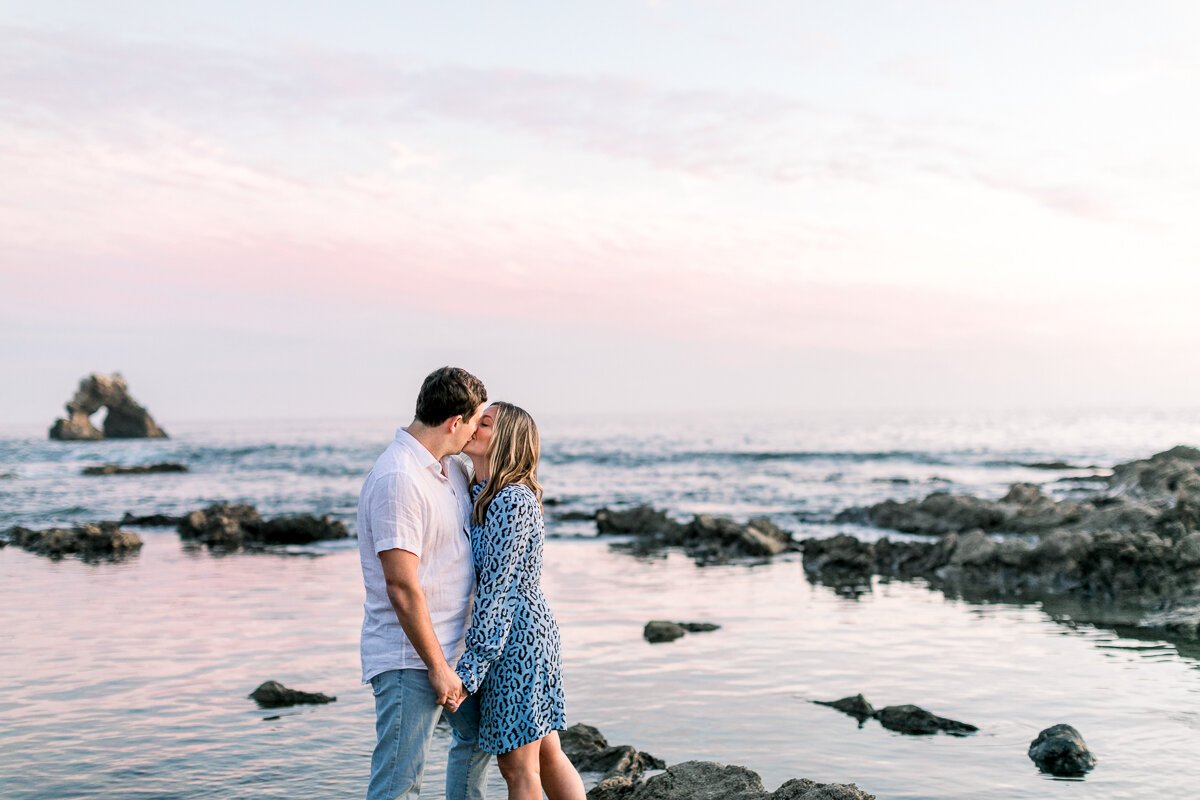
point(405, 718)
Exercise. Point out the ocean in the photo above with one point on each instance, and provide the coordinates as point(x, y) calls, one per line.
point(129, 679)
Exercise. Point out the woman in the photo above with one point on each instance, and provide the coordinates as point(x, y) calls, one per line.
point(512, 657)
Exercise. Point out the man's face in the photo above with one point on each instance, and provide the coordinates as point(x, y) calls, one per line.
point(466, 430)
point(483, 433)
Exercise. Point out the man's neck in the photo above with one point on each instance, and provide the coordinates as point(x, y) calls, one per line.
point(429, 439)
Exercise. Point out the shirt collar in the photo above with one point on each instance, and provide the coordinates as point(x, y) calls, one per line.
point(423, 456)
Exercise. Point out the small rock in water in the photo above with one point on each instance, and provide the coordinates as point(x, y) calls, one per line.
point(273, 694)
point(142, 469)
point(919, 722)
point(856, 706)
point(1060, 750)
point(661, 630)
point(91, 542)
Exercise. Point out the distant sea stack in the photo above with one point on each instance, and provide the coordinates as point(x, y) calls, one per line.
point(126, 418)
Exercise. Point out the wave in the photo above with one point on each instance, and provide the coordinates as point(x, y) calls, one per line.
point(628, 459)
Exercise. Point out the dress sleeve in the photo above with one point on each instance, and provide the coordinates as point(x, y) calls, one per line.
point(508, 528)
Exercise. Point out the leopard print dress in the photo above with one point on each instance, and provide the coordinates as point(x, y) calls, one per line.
point(513, 657)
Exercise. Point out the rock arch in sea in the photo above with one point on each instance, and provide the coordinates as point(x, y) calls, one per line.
point(126, 419)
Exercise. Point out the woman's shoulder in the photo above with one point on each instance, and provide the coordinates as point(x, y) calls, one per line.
point(517, 494)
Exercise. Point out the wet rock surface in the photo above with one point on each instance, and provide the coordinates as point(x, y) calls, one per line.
point(1060, 750)
point(908, 719)
point(150, 520)
point(102, 541)
point(589, 751)
point(1133, 544)
point(126, 418)
point(230, 526)
point(273, 694)
point(707, 780)
point(659, 630)
point(145, 469)
point(706, 539)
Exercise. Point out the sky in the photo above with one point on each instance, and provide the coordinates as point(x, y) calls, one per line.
point(298, 209)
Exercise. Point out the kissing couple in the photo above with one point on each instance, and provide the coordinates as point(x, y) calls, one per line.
point(443, 540)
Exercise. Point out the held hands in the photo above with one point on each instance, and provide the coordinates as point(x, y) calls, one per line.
point(447, 687)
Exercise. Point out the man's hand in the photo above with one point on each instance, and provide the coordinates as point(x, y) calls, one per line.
point(447, 686)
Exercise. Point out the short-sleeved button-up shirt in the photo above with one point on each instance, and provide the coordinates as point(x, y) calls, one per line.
point(413, 502)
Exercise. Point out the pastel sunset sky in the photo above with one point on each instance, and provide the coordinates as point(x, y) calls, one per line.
point(298, 209)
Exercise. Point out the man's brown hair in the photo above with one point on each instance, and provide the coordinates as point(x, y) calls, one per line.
point(449, 392)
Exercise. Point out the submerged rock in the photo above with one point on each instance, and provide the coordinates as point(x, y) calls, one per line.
point(273, 694)
point(145, 469)
point(659, 630)
point(91, 542)
point(150, 520)
point(589, 751)
point(856, 706)
point(126, 419)
point(917, 721)
point(230, 526)
point(1060, 750)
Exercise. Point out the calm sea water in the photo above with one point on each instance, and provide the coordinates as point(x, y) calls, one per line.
point(130, 679)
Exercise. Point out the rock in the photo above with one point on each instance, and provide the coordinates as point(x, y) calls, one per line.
point(840, 561)
point(917, 721)
point(302, 529)
point(91, 542)
point(273, 694)
point(222, 525)
point(230, 526)
point(642, 520)
point(702, 780)
point(581, 741)
point(617, 787)
point(975, 547)
point(1060, 750)
point(699, 627)
point(575, 516)
point(150, 520)
point(663, 631)
point(804, 789)
point(117, 469)
point(126, 419)
point(589, 751)
point(938, 513)
point(1160, 479)
point(716, 539)
point(856, 706)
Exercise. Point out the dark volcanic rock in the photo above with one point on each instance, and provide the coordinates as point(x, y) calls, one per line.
point(702, 780)
point(707, 539)
point(804, 789)
point(126, 419)
point(273, 694)
point(699, 627)
point(302, 529)
point(916, 720)
point(1060, 750)
point(117, 469)
point(589, 751)
point(660, 630)
point(91, 542)
point(856, 706)
point(230, 526)
point(150, 520)
point(1162, 478)
point(641, 520)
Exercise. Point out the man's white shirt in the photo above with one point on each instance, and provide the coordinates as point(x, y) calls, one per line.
point(408, 503)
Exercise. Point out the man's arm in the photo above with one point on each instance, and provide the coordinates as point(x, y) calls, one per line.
point(408, 599)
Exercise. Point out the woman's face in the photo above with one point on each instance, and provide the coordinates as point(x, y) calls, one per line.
point(483, 433)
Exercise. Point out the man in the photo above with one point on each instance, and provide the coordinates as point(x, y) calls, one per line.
point(416, 561)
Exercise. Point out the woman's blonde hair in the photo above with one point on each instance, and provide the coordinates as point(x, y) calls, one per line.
point(512, 454)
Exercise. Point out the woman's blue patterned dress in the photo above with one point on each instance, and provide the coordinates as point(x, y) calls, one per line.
point(513, 657)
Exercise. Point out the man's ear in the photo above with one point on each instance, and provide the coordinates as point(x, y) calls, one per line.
point(453, 423)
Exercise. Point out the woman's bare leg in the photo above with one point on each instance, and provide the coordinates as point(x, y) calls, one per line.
point(522, 771)
point(559, 777)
